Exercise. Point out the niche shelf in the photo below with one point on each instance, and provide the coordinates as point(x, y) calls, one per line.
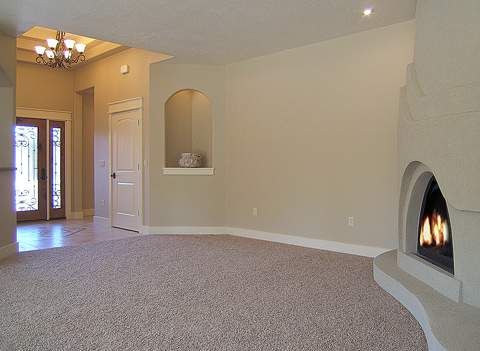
point(188, 171)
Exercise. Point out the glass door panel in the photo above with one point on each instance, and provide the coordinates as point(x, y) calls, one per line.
point(26, 181)
point(30, 174)
point(57, 169)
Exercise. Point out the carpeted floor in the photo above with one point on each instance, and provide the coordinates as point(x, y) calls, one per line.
point(197, 293)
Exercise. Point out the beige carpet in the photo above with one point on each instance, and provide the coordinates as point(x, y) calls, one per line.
point(197, 293)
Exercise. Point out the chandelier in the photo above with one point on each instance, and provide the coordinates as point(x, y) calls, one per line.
point(60, 52)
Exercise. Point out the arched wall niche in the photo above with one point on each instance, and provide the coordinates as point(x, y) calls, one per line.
point(188, 126)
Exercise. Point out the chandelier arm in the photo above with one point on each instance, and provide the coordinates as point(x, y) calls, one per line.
point(79, 58)
point(40, 59)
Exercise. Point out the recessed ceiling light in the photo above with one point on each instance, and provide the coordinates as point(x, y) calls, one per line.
point(368, 11)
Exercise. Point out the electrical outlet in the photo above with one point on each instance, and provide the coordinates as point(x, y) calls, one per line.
point(255, 212)
point(103, 203)
point(350, 221)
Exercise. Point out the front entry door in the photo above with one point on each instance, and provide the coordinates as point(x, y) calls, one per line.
point(31, 169)
point(126, 144)
point(40, 169)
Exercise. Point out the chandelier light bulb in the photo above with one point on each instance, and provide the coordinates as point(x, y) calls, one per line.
point(69, 43)
point(50, 54)
point(40, 49)
point(52, 43)
point(80, 48)
point(67, 54)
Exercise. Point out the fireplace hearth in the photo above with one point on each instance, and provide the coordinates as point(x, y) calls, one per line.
point(435, 241)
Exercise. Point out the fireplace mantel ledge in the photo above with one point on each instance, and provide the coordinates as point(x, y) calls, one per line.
point(448, 325)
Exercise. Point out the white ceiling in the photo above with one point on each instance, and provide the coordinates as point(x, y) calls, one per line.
point(205, 31)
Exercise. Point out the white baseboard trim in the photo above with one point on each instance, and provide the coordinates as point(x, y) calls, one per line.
point(101, 221)
point(89, 212)
point(184, 230)
point(8, 250)
point(353, 249)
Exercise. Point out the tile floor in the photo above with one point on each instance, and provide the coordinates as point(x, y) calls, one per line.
point(56, 233)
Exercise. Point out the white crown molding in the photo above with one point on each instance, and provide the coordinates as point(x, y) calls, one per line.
point(125, 105)
point(53, 115)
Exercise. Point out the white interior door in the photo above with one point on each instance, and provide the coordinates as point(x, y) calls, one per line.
point(126, 146)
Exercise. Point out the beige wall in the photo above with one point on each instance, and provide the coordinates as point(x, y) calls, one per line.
point(7, 118)
point(45, 88)
point(88, 196)
point(111, 86)
point(311, 138)
point(186, 200)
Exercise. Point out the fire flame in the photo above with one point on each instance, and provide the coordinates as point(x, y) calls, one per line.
point(435, 234)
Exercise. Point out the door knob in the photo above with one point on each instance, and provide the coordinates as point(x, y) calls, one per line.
point(113, 175)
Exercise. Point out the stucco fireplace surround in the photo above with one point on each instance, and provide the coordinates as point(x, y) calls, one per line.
point(439, 136)
point(444, 143)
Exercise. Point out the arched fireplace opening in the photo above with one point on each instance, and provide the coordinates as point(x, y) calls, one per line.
point(435, 242)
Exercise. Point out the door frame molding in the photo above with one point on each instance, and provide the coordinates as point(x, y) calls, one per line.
point(123, 106)
point(55, 115)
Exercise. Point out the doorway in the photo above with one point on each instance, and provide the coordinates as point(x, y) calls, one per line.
point(40, 169)
point(126, 171)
